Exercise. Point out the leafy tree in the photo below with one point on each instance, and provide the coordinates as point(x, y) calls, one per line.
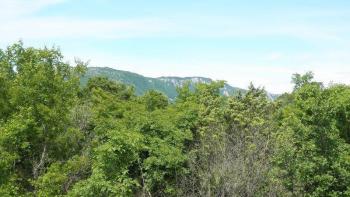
point(312, 149)
point(155, 100)
point(61, 138)
point(300, 80)
point(41, 91)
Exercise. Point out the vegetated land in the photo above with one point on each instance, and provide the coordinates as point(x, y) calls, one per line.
point(60, 139)
point(166, 85)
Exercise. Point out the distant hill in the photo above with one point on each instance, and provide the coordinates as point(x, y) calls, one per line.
point(167, 85)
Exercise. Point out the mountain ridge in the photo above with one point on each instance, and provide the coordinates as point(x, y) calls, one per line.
point(165, 84)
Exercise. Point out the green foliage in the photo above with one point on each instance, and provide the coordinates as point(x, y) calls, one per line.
point(312, 144)
point(40, 92)
point(58, 138)
point(300, 80)
point(155, 100)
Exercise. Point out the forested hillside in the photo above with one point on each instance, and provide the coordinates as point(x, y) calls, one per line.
point(166, 85)
point(58, 138)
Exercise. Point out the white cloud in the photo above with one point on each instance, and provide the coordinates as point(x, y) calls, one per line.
point(18, 22)
point(274, 56)
point(10, 9)
point(53, 28)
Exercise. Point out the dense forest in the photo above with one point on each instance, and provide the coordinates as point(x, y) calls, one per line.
point(58, 138)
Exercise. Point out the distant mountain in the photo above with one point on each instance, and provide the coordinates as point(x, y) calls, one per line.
point(167, 85)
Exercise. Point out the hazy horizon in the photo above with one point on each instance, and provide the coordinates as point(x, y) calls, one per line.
point(239, 42)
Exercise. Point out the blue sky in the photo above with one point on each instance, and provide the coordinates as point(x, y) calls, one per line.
point(259, 41)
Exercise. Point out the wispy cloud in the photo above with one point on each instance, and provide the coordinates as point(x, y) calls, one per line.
point(53, 28)
point(10, 9)
point(259, 27)
point(267, 65)
point(61, 27)
point(274, 56)
point(18, 20)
